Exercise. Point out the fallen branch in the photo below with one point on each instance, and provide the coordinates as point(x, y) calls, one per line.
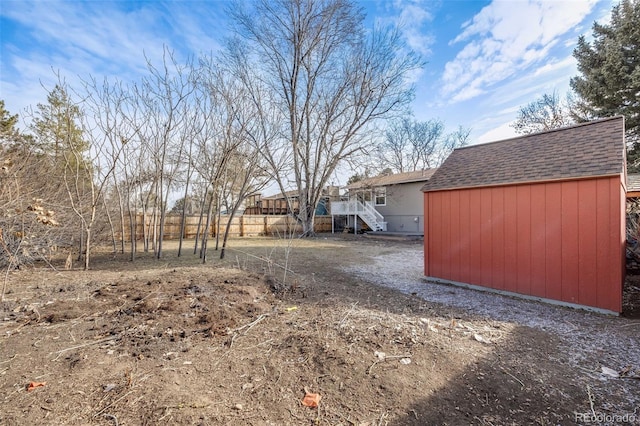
point(386, 357)
point(48, 263)
point(514, 377)
point(113, 403)
point(629, 325)
point(10, 359)
point(247, 327)
point(251, 324)
point(97, 342)
point(10, 332)
point(344, 319)
point(591, 400)
point(371, 366)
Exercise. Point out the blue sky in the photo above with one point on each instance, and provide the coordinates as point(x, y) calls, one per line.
point(485, 59)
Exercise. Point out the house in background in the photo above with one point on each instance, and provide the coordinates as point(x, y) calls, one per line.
point(272, 205)
point(633, 185)
point(277, 204)
point(633, 220)
point(542, 215)
point(390, 203)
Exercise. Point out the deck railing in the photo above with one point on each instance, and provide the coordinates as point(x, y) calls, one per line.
point(366, 211)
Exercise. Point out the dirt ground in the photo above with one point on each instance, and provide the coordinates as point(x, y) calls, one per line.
point(242, 341)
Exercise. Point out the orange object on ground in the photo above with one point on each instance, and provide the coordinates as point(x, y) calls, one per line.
point(311, 400)
point(32, 385)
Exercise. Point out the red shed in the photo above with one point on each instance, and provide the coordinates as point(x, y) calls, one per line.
point(541, 215)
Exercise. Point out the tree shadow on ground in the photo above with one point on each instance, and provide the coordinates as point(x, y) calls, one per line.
point(519, 382)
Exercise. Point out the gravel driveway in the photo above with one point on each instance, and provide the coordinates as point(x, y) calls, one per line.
point(591, 340)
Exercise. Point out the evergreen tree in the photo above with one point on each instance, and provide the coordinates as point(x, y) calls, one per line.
point(56, 126)
point(609, 66)
point(8, 123)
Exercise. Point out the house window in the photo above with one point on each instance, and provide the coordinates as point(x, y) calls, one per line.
point(381, 196)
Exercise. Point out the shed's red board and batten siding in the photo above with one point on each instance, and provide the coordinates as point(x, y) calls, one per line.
point(542, 215)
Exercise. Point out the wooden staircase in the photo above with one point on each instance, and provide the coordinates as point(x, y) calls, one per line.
point(365, 211)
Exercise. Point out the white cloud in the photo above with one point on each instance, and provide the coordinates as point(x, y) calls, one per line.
point(412, 18)
point(106, 33)
point(501, 132)
point(498, 107)
point(99, 39)
point(418, 42)
point(467, 93)
point(505, 38)
point(198, 24)
point(568, 63)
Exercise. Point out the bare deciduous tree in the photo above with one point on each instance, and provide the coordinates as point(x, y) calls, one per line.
point(165, 95)
point(545, 113)
point(89, 168)
point(417, 145)
point(218, 137)
point(329, 79)
point(409, 144)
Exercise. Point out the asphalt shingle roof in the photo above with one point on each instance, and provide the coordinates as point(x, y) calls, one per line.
point(378, 181)
point(590, 149)
point(633, 182)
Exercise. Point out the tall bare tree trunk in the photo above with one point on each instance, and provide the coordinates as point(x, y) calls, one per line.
point(121, 212)
point(183, 216)
point(228, 227)
point(133, 228)
point(205, 234)
point(202, 209)
point(218, 225)
point(145, 231)
point(111, 226)
point(80, 245)
point(87, 255)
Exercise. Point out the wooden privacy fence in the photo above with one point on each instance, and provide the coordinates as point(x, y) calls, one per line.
point(241, 226)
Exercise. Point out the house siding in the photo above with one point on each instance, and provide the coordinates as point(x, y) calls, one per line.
point(554, 240)
point(404, 204)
